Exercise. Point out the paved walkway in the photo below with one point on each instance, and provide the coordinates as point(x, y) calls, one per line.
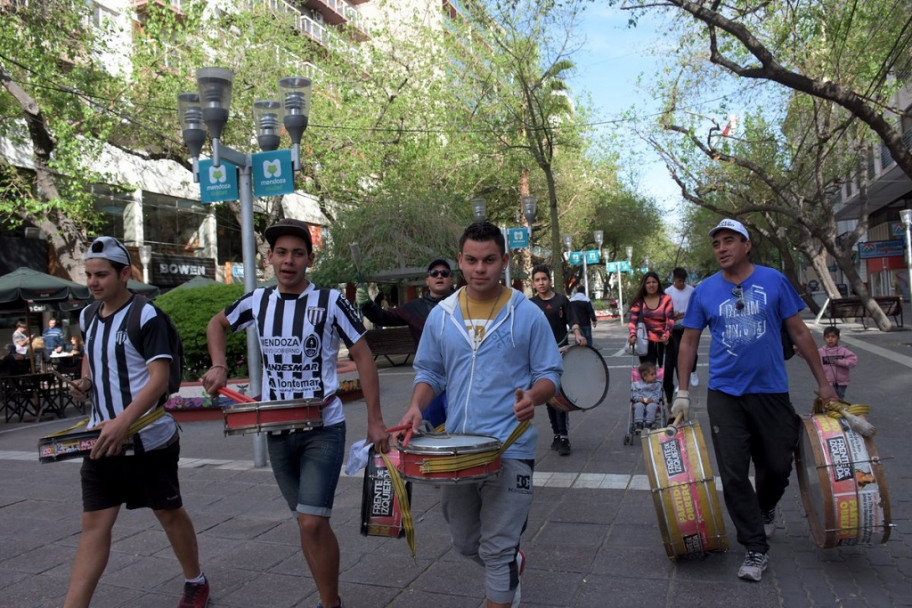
point(592, 538)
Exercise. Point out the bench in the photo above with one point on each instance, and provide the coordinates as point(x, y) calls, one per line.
point(391, 342)
point(852, 308)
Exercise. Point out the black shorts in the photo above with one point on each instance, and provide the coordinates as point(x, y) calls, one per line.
point(146, 480)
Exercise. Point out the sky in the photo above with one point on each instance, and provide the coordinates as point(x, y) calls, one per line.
point(612, 58)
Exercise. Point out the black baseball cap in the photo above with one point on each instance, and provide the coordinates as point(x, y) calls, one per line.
point(439, 262)
point(289, 226)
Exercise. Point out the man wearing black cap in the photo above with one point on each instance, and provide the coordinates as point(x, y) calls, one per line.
point(127, 382)
point(299, 326)
point(439, 282)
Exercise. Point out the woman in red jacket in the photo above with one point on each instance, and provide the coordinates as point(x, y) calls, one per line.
point(655, 309)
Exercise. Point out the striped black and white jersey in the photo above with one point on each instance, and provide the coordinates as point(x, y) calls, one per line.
point(118, 369)
point(299, 340)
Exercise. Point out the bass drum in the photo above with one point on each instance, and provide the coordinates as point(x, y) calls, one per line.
point(684, 491)
point(842, 482)
point(584, 382)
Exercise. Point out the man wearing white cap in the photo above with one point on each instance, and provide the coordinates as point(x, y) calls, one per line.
point(127, 382)
point(745, 305)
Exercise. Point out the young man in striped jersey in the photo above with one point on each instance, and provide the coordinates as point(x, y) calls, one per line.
point(126, 381)
point(299, 326)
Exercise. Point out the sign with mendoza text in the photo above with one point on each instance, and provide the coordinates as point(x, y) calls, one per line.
point(272, 173)
point(218, 183)
point(576, 258)
point(592, 256)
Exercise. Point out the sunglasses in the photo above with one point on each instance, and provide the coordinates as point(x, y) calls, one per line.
point(738, 292)
point(439, 273)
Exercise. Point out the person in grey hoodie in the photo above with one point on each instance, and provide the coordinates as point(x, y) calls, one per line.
point(491, 349)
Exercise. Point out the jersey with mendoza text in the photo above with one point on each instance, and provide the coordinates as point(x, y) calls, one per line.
point(299, 340)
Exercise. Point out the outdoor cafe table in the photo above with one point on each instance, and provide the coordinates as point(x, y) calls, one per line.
point(34, 395)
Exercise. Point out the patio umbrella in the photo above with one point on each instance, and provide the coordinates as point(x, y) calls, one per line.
point(150, 291)
point(23, 286)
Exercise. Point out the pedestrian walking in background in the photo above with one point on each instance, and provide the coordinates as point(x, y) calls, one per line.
point(491, 350)
point(556, 307)
point(582, 312)
point(654, 309)
point(680, 293)
point(751, 415)
point(126, 381)
point(299, 327)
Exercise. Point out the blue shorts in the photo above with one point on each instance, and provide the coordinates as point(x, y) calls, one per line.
point(307, 465)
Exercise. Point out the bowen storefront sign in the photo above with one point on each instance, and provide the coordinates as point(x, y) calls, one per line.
point(173, 270)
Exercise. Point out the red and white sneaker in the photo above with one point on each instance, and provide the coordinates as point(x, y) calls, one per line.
point(196, 595)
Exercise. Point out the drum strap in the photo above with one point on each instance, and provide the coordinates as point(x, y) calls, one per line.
point(405, 508)
point(137, 426)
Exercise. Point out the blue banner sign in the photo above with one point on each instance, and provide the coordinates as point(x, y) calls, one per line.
point(880, 249)
point(576, 258)
point(272, 173)
point(218, 183)
point(517, 238)
point(593, 256)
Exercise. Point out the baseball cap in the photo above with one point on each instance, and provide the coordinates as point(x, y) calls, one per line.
point(109, 248)
point(439, 262)
point(733, 225)
point(291, 227)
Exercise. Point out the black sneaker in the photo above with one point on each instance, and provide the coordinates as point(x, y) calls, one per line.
point(754, 565)
point(564, 448)
point(555, 445)
point(196, 595)
point(769, 522)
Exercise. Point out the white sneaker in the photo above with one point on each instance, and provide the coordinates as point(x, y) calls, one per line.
point(694, 379)
point(520, 566)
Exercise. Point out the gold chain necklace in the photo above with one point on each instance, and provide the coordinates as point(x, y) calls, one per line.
point(478, 335)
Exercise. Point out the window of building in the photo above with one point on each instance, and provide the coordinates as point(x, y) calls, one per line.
point(172, 224)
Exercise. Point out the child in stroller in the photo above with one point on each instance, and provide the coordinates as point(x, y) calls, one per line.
point(646, 399)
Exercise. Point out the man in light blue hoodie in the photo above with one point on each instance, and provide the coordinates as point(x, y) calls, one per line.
point(491, 349)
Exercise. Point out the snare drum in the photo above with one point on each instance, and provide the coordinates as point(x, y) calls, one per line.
point(449, 459)
point(267, 416)
point(842, 483)
point(381, 513)
point(584, 382)
point(684, 491)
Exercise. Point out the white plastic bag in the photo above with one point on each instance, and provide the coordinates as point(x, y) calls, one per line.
point(642, 340)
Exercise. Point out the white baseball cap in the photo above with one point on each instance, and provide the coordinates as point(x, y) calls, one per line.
point(733, 225)
point(110, 249)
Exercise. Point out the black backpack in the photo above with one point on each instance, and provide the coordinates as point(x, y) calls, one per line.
point(178, 362)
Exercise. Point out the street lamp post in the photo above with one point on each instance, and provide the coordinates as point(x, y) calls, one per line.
point(599, 236)
point(621, 284)
point(905, 216)
point(528, 211)
point(479, 207)
point(145, 256)
point(209, 106)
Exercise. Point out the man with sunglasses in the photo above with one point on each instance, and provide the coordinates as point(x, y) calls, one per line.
point(745, 305)
point(439, 283)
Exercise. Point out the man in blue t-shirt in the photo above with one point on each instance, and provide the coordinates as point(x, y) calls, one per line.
point(745, 306)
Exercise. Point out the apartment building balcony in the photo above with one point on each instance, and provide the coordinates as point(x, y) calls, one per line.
point(338, 14)
point(886, 183)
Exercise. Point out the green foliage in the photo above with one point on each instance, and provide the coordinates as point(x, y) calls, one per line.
point(191, 310)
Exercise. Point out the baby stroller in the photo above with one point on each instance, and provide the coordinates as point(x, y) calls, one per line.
point(661, 414)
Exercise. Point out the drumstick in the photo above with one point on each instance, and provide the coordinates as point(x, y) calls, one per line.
point(234, 395)
point(408, 436)
point(401, 427)
point(672, 428)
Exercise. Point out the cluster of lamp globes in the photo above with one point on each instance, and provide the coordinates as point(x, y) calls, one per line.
point(209, 106)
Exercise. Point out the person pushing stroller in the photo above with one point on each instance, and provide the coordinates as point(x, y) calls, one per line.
point(645, 396)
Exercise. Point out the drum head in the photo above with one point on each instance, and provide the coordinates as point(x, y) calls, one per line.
point(584, 382)
point(451, 444)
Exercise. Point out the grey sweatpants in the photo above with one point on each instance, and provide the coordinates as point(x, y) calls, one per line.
point(486, 520)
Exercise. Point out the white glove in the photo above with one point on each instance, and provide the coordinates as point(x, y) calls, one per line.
point(681, 405)
point(361, 296)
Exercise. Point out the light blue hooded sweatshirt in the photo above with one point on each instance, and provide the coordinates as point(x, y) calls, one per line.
point(517, 350)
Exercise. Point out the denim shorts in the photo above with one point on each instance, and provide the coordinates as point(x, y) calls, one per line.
point(307, 465)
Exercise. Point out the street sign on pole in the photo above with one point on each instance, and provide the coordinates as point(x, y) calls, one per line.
point(576, 258)
point(593, 256)
point(218, 183)
point(517, 238)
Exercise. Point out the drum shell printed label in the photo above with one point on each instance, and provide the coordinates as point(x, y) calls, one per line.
point(381, 514)
point(855, 506)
